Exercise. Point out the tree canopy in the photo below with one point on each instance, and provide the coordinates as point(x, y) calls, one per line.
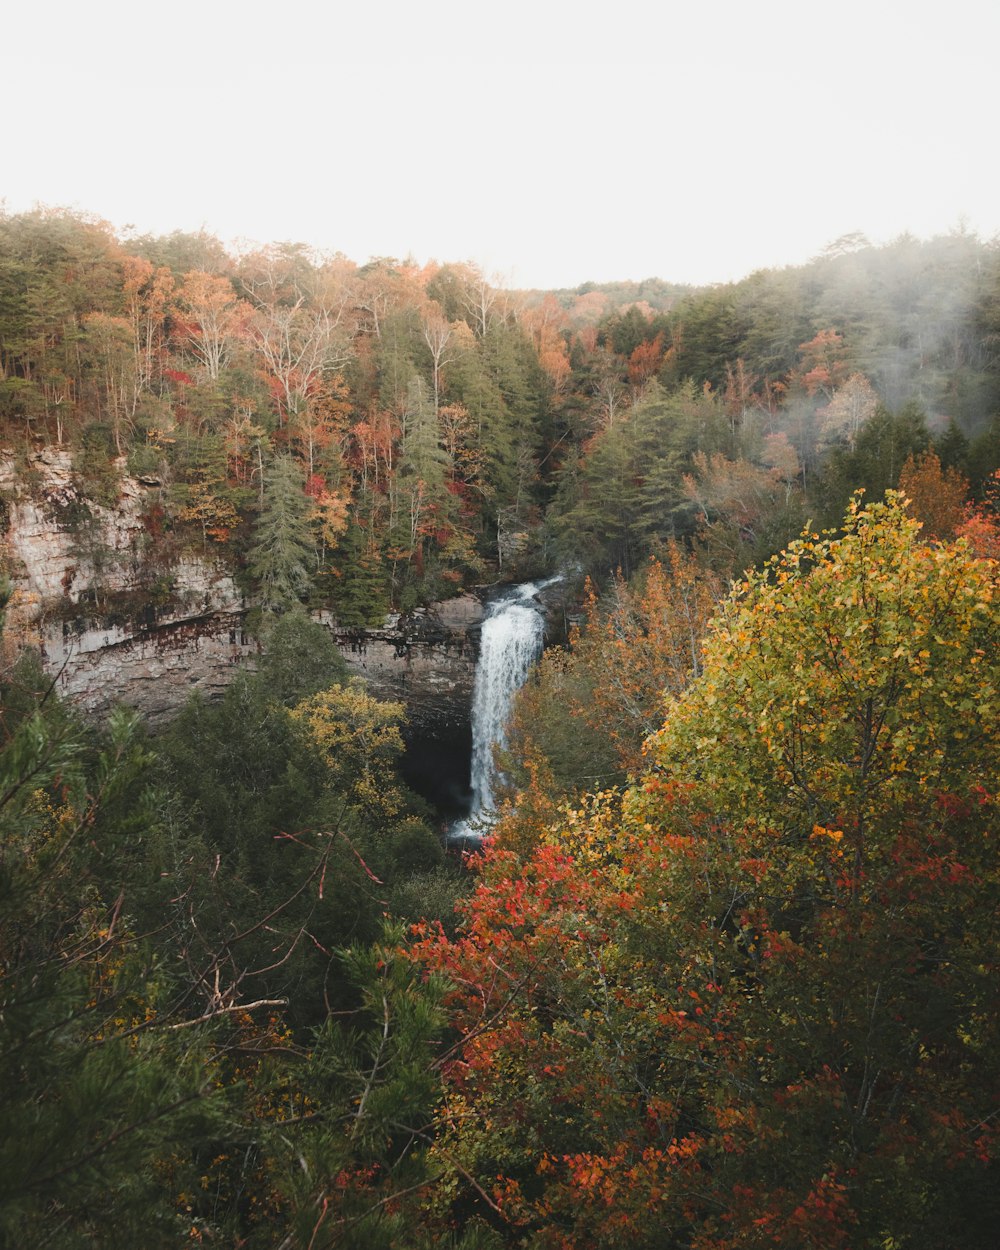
point(750, 1001)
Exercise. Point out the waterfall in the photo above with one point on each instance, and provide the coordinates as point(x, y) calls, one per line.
point(510, 643)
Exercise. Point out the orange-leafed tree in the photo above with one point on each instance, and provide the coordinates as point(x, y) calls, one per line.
point(581, 723)
point(318, 429)
point(823, 363)
point(302, 322)
point(981, 525)
point(937, 496)
point(545, 324)
point(750, 1003)
point(147, 291)
point(743, 506)
point(210, 320)
point(739, 397)
point(642, 645)
point(645, 361)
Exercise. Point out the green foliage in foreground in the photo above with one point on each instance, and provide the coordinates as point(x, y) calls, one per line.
point(747, 1004)
point(171, 987)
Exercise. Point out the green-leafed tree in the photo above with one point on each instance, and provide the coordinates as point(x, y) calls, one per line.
point(358, 1174)
point(751, 1002)
point(876, 459)
point(201, 495)
point(300, 659)
point(102, 1093)
point(361, 590)
point(282, 557)
point(424, 504)
point(628, 491)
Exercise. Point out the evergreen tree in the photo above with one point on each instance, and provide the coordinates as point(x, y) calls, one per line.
point(877, 458)
point(98, 1090)
point(628, 493)
point(300, 659)
point(282, 555)
point(952, 448)
point(361, 598)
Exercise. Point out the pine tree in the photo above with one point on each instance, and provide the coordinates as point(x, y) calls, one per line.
point(97, 1088)
point(282, 556)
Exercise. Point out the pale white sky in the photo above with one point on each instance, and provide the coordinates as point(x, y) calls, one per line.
point(551, 141)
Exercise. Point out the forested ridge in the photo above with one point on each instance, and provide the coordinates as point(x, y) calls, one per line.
point(407, 429)
point(724, 973)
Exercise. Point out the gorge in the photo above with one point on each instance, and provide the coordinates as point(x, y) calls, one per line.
point(723, 973)
point(114, 627)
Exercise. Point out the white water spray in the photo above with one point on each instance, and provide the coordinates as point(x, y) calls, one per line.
point(510, 643)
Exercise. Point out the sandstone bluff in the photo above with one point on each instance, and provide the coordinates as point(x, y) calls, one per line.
point(117, 619)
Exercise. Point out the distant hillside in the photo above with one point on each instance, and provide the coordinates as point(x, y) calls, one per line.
point(589, 302)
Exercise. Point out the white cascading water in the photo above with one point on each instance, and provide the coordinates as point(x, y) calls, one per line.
point(510, 643)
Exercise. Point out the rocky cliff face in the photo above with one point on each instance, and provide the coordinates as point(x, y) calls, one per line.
point(114, 621)
point(426, 660)
point(118, 622)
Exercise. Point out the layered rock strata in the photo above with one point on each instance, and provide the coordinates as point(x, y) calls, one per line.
point(118, 621)
point(426, 660)
point(113, 618)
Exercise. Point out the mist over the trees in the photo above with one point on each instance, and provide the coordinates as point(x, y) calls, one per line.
point(721, 974)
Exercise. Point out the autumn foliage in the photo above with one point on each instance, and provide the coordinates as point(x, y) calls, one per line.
point(937, 496)
point(726, 976)
point(750, 1002)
